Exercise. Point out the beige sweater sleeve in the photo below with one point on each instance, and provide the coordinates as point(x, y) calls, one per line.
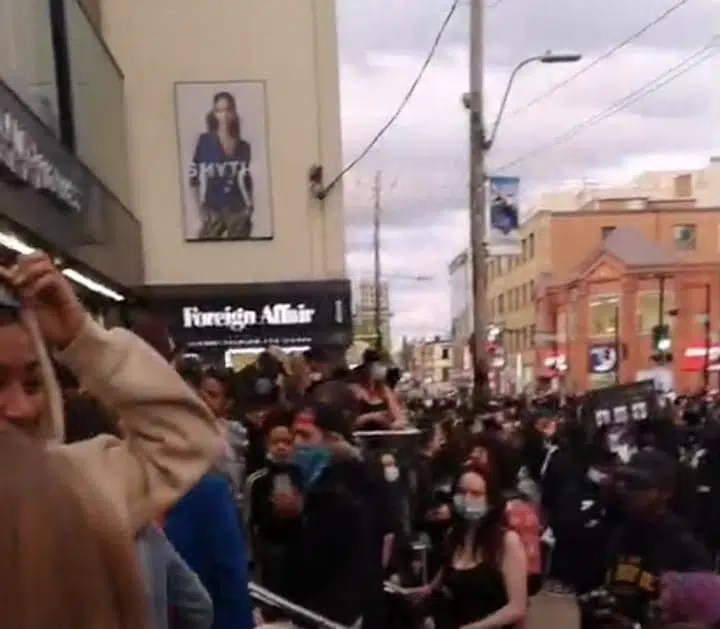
point(172, 438)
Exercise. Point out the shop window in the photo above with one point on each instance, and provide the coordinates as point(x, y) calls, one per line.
point(648, 310)
point(98, 101)
point(685, 237)
point(603, 315)
point(561, 326)
point(571, 322)
point(27, 61)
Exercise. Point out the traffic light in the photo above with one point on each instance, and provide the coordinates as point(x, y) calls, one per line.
point(661, 343)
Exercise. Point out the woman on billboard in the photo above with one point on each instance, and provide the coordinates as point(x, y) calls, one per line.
point(220, 177)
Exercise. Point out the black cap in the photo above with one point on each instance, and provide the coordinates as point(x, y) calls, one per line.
point(648, 469)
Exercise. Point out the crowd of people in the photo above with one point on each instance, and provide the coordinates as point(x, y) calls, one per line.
point(142, 489)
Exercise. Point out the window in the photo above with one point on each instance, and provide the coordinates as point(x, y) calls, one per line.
point(607, 230)
point(531, 246)
point(604, 315)
point(523, 338)
point(501, 304)
point(532, 336)
point(561, 326)
point(445, 353)
point(571, 321)
point(648, 310)
point(685, 237)
point(27, 62)
point(445, 374)
point(523, 255)
point(524, 294)
point(532, 290)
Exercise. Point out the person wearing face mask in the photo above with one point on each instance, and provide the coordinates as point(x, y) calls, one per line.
point(335, 564)
point(484, 575)
point(378, 406)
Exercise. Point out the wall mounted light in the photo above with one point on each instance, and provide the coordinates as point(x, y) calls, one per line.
point(12, 242)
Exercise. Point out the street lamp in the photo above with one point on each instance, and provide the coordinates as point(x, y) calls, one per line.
point(549, 58)
point(480, 144)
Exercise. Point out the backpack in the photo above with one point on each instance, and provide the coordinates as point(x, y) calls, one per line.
point(524, 520)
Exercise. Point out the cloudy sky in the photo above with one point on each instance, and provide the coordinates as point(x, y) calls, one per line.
point(424, 156)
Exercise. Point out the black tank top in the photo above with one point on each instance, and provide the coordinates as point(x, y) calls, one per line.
point(475, 593)
point(366, 407)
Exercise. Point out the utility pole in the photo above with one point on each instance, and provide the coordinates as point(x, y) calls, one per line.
point(377, 212)
point(478, 144)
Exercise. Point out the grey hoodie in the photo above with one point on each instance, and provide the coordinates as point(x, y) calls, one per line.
point(170, 583)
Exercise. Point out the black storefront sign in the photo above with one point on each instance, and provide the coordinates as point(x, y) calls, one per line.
point(31, 157)
point(302, 313)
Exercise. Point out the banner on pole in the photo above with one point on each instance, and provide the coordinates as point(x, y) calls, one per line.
point(503, 216)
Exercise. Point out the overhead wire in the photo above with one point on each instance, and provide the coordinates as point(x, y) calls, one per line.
point(663, 79)
point(600, 58)
point(403, 102)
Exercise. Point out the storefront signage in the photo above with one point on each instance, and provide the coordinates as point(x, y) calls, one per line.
point(20, 154)
point(697, 358)
point(238, 319)
point(603, 359)
point(307, 313)
point(30, 154)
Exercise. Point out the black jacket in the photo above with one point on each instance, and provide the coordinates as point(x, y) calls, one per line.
point(335, 557)
point(641, 551)
point(265, 526)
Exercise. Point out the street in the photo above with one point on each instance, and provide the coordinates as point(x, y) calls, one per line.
point(558, 612)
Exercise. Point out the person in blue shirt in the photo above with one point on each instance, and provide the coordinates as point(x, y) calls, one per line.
point(205, 529)
point(220, 177)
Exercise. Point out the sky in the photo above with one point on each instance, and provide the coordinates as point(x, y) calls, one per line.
point(423, 158)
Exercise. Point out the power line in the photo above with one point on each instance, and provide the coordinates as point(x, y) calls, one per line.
point(668, 76)
point(599, 59)
point(403, 102)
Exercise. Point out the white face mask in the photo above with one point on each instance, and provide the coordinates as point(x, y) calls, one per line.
point(392, 473)
point(378, 372)
point(473, 509)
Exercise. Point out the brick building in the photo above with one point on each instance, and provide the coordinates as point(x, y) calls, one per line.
point(595, 321)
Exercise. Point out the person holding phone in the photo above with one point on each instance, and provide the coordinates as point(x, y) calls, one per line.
point(274, 504)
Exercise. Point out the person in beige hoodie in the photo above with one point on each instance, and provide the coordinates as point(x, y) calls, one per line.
point(171, 436)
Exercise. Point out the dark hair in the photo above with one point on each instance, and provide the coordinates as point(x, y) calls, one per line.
point(9, 315)
point(191, 371)
point(277, 418)
point(211, 122)
point(86, 419)
point(489, 537)
point(222, 376)
point(316, 355)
